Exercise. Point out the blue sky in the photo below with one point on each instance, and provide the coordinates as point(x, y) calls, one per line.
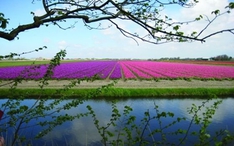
point(81, 42)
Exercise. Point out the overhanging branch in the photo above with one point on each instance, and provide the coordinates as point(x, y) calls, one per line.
point(221, 31)
point(144, 13)
point(10, 36)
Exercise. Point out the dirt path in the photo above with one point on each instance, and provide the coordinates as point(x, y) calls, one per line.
point(129, 84)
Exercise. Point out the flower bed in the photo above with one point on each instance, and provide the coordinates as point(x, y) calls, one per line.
point(114, 70)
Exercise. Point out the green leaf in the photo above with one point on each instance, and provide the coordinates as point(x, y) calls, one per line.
point(163, 114)
point(197, 19)
point(194, 33)
point(231, 5)
point(176, 27)
point(3, 24)
point(3, 21)
point(170, 114)
point(178, 119)
point(60, 13)
point(146, 4)
point(216, 12)
point(110, 134)
point(1, 15)
point(180, 33)
point(194, 133)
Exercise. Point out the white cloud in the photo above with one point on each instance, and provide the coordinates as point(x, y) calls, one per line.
point(62, 44)
point(205, 9)
point(109, 31)
point(39, 12)
point(77, 46)
point(46, 40)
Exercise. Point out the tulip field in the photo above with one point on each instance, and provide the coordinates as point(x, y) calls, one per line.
point(121, 70)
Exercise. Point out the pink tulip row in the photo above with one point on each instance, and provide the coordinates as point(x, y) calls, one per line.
point(128, 74)
point(148, 69)
point(141, 71)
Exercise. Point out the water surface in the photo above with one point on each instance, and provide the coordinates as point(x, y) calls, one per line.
point(83, 131)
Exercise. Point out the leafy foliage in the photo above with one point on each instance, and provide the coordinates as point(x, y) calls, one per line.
point(12, 55)
point(129, 130)
point(3, 21)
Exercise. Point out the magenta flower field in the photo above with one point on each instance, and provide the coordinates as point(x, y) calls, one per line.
point(121, 70)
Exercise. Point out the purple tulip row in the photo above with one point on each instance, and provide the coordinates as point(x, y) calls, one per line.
point(116, 73)
point(28, 72)
point(120, 69)
point(64, 71)
point(83, 69)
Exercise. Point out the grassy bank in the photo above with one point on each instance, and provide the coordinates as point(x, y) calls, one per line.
point(120, 92)
point(8, 63)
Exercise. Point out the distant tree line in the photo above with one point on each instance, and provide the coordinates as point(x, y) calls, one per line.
point(222, 58)
point(216, 58)
point(12, 58)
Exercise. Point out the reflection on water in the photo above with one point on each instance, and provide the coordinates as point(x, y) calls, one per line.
point(83, 131)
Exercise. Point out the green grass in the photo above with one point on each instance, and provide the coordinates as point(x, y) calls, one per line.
point(21, 63)
point(121, 92)
point(7, 63)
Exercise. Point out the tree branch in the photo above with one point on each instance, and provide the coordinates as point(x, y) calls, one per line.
point(144, 13)
point(148, 28)
point(10, 36)
point(221, 31)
